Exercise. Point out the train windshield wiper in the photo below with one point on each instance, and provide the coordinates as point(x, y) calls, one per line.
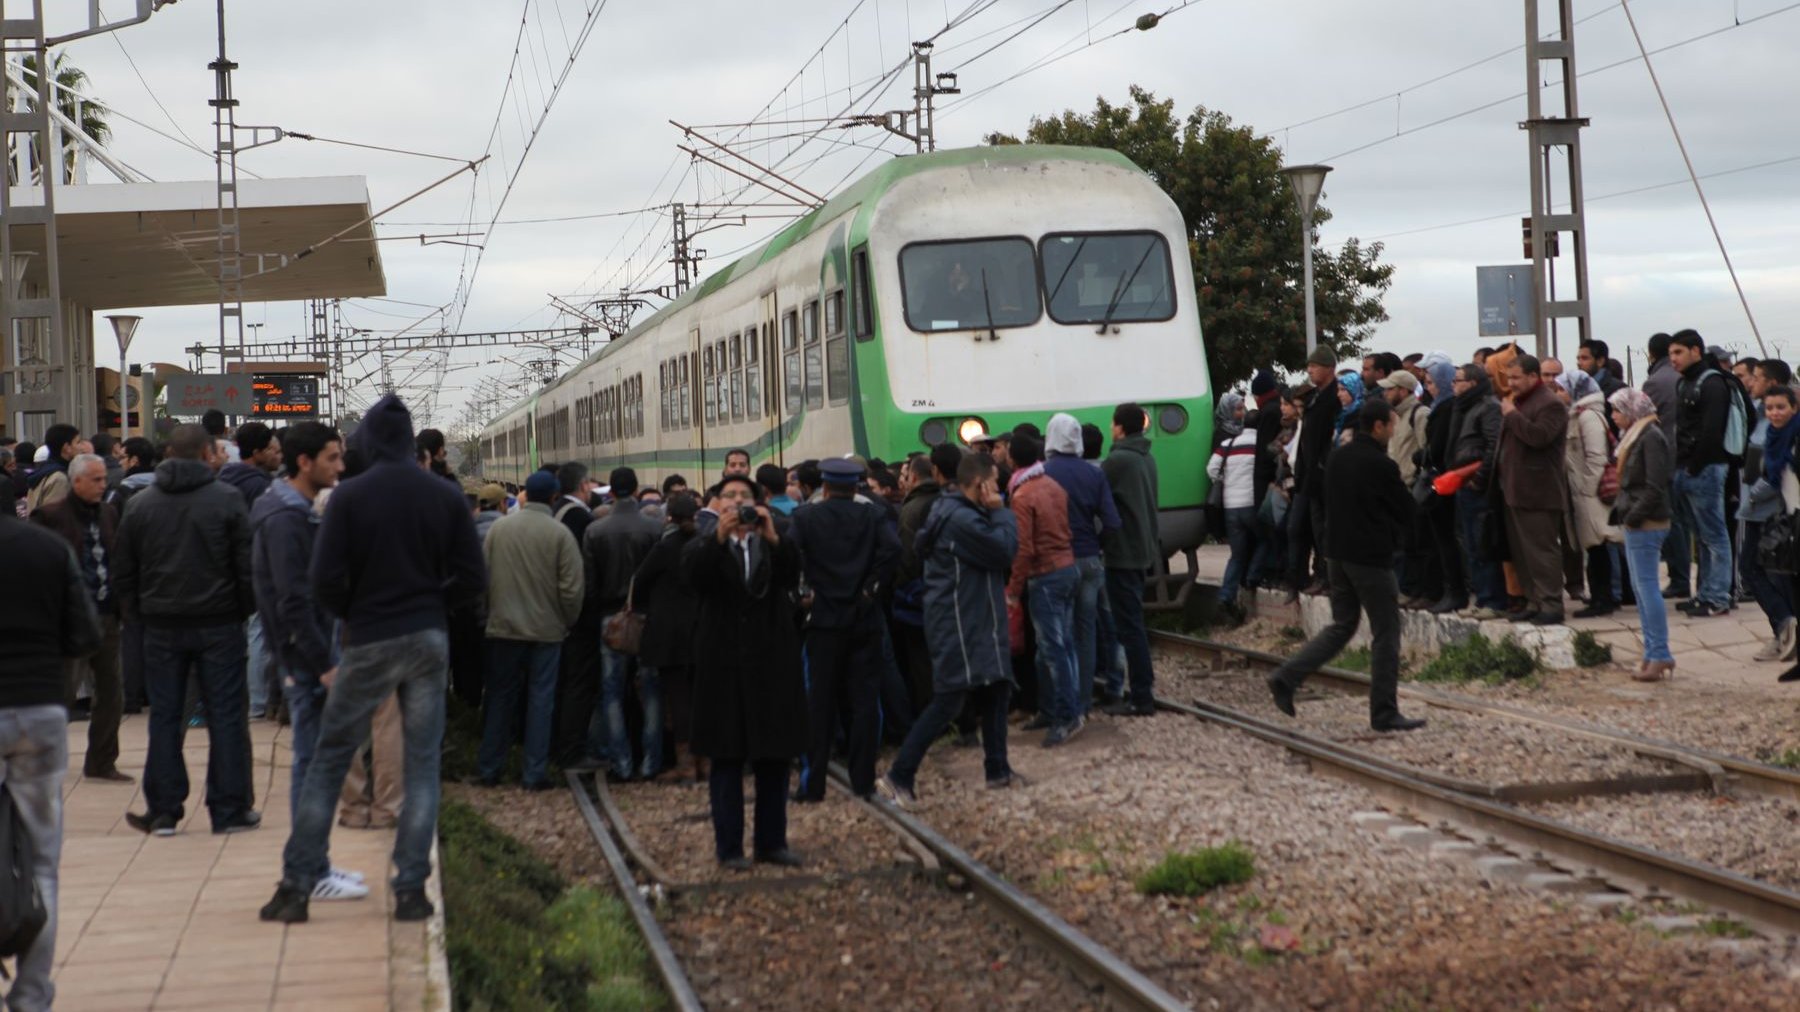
point(1123, 287)
point(987, 303)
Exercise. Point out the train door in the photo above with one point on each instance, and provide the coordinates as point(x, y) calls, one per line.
point(767, 377)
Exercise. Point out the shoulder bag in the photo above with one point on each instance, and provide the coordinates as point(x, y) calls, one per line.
point(623, 630)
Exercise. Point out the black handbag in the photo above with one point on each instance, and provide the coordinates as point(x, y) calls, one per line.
point(1779, 547)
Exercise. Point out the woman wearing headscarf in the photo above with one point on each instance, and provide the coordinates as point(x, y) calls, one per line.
point(1762, 503)
point(1642, 511)
point(1585, 520)
point(1439, 512)
point(1233, 469)
point(1350, 395)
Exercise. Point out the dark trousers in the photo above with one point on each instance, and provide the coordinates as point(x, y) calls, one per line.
point(1439, 517)
point(1534, 538)
point(1676, 550)
point(1774, 594)
point(131, 663)
point(108, 700)
point(678, 701)
point(468, 645)
point(896, 700)
point(1600, 576)
point(726, 783)
point(915, 663)
point(516, 668)
point(1305, 539)
point(577, 691)
point(215, 654)
point(1357, 588)
point(989, 702)
point(1125, 591)
point(1422, 577)
point(843, 665)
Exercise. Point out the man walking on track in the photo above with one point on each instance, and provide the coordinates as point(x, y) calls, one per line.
point(1368, 511)
point(396, 554)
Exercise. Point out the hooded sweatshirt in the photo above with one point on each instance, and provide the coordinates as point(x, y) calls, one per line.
point(1091, 507)
point(283, 528)
point(248, 479)
point(398, 549)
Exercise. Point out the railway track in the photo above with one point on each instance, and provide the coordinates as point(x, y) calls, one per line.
point(640, 878)
point(1491, 809)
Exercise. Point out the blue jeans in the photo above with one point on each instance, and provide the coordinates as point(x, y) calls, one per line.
point(1089, 592)
point(256, 666)
point(34, 756)
point(305, 700)
point(512, 666)
point(1125, 590)
point(1486, 582)
point(1644, 549)
point(1052, 603)
point(1775, 594)
point(1246, 550)
point(215, 654)
point(1703, 495)
point(416, 666)
point(608, 737)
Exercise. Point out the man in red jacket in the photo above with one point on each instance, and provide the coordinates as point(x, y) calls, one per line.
point(1044, 578)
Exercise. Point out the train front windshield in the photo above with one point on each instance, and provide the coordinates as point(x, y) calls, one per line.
point(1116, 277)
point(964, 284)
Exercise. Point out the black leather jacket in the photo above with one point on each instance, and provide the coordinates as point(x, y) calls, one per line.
point(182, 553)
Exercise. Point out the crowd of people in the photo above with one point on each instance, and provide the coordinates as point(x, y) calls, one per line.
point(1521, 490)
point(754, 626)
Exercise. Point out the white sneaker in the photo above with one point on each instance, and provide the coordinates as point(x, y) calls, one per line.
point(354, 876)
point(336, 887)
point(1771, 650)
point(1788, 640)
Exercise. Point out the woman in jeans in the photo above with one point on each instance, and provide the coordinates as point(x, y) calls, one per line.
point(1233, 465)
point(1642, 511)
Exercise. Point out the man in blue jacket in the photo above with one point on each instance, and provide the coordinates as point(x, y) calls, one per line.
point(397, 552)
point(299, 633)
point(968, 542)
point(1091, 514)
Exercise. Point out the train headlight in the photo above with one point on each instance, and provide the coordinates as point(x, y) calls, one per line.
point(1172, 417)
point(934, 432)
point(971, 430)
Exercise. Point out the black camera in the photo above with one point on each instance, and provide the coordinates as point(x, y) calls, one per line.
point(748, 517)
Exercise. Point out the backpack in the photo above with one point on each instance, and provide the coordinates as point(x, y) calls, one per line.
point(1737, 413)
point(22, 913)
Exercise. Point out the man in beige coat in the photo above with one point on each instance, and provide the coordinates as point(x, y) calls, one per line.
point(535, 588)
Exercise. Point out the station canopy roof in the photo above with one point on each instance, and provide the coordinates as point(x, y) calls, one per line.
point(156, 244)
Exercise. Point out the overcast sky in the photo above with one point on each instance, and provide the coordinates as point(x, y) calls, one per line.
point(429, 76)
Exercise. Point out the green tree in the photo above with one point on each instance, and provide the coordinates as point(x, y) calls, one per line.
point(1243, 233)
point(90, 115)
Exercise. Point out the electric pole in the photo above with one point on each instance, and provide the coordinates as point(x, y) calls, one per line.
point(1548, 132)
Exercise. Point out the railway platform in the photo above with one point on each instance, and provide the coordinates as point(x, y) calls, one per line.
point(171, 923)
point(1715, 650)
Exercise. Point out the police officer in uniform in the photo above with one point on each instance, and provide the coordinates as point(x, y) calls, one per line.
point(848, 554)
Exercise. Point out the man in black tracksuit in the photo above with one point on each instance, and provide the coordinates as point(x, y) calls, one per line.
point(1306, 515)
point(848, 552)
point(1370, 511)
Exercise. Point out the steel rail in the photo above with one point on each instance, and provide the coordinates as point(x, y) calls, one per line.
point(1761, 903)
point(639, 854)
point(1728, 772)
point(668, 965)
point(1123, 984)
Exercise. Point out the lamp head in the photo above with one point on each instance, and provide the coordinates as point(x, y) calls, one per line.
point(1308, 182)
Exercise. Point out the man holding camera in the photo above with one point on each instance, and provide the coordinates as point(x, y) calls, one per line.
point(847, 552)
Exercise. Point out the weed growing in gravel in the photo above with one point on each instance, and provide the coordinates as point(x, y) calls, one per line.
point(1479, 658)
point(1789, 759)
point(1725, 927)
point(1353, 660)
point(1292, 633)
point(1590, 652)
point(1199, 871)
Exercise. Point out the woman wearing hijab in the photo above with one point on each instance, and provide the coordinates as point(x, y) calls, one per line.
point(1765, 502)
point(1439, 512)
point(1350, 395)
point(1233, 468)
point(1585, 456)
point(1642, 511)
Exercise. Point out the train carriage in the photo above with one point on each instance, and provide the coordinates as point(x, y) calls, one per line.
point(940, 296)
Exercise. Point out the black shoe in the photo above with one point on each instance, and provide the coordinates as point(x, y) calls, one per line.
point(1675, 594)
point(1124, 708)
point(1596, 611)
point(618, 778)
point(783, 857)
point(1687, 607)
point(1038, 722)
point(1447, 606)
point(1001, 782)
point(288, 906)
point(1548, 618)
point(1790, 675)
point(542, 785)
point(411, 905)
point(738, 863)
point(111, 774)
point(1283, 693)
point(153, 825)
point(242, 822)
point(1705, 610)
point(1400, 724)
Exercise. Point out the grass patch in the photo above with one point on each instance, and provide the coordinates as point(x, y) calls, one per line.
point(1789, 759)
point(1481, 659)
point(1357, 659)
point(518, 938)
point(1590, 652)
point(1292, 634)
point(1725, 927)
point(1199, 871)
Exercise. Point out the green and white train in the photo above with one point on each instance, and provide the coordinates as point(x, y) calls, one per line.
point(940, 296)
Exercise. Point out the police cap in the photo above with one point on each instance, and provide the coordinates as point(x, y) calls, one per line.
point(841, 471)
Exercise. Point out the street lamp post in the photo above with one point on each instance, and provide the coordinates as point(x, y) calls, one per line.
point(1308, 182)
point(123, 327)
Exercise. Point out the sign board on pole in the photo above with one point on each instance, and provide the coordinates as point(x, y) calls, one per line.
point(1507, 297)
point(286, 397)
point(191, 395)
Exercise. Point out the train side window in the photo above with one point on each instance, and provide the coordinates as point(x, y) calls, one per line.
point(706, 385)
point(837, 350)
point(814, 355)
point(753, 390)
point(737, 378)
point(863, 309)
point(683, 413)
point(790, 361)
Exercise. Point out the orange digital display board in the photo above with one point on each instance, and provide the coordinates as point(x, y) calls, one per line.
point(285, 397)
